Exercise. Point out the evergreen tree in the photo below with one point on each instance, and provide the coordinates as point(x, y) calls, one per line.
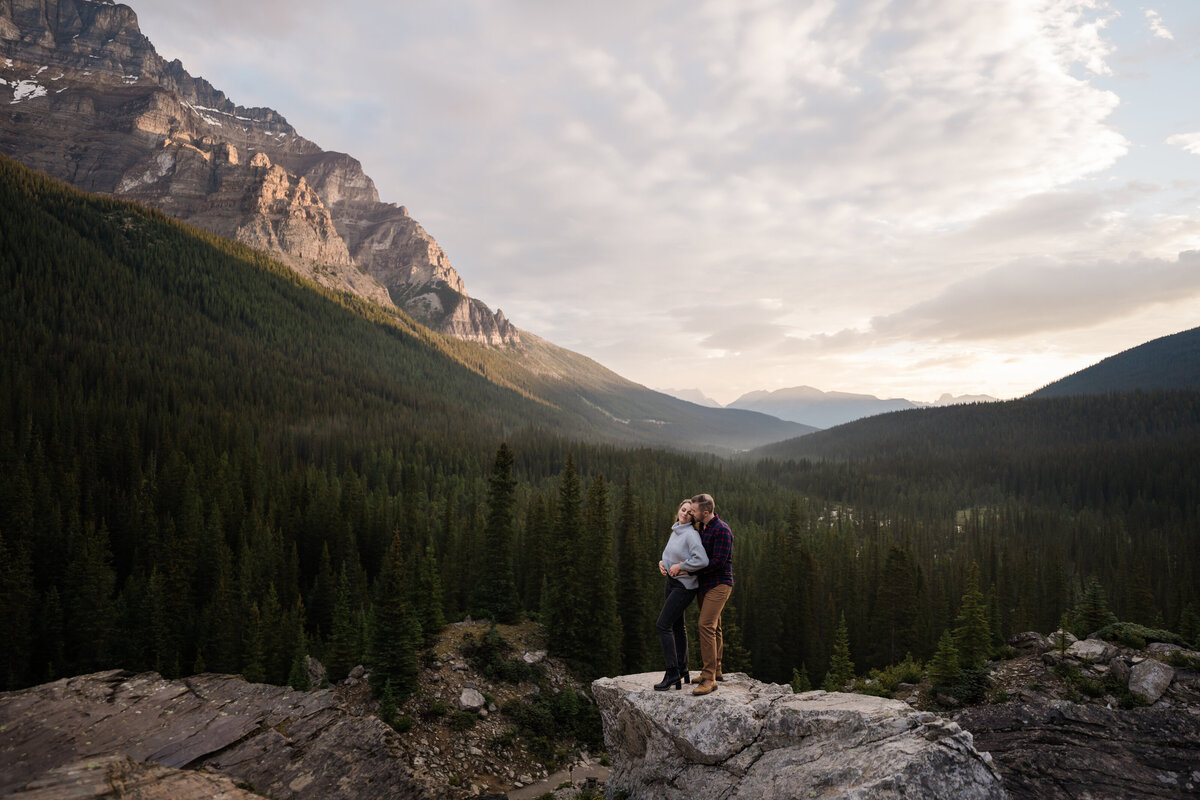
point(1091, 614)
point(90, 612)
point(17, 598)
point(944, 670)
point(343, 652)
point(841, 667)
point(428, 600)
point(568, 584)
point(533, 553)
point(253, 669)
point(632, 600)
point(597, 597)
point(1189, 625)
point(395, 632)
point(495, 595)
point(800, 681)
point(388, 710)
point(53, 643)
point(972, 634)
point(897, 606)
point(298, 677)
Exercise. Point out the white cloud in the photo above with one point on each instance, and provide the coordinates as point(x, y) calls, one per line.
point(587, 168)
point(1188, 141)
point(1156, 25)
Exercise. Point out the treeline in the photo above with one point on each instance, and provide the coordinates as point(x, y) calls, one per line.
point(210, 466)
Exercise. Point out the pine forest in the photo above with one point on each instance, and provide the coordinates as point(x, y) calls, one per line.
point(210, 465)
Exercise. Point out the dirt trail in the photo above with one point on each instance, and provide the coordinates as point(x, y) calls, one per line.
point(577, 776)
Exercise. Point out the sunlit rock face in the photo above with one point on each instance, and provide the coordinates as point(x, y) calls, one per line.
point(754, 740)
point(85, 98)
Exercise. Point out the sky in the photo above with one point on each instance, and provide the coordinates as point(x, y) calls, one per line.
point(895, 197)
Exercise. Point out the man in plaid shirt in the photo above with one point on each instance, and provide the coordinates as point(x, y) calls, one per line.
point(716, 584)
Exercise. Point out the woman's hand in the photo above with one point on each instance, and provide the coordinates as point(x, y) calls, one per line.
point(662, 568)
point(676, 570)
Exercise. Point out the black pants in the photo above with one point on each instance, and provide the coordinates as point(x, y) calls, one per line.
point(670, 627)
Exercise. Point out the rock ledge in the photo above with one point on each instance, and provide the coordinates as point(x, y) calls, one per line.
point(755, 740)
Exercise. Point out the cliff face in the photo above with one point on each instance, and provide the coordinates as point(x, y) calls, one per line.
point(754, 740)
point(92, 103)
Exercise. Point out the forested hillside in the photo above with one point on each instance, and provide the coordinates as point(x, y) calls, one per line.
point(210, 465)
point(1170, 362)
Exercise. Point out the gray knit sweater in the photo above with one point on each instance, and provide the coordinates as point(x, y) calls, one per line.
point(684, 547)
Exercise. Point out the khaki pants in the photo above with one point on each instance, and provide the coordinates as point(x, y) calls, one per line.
point(712, 646)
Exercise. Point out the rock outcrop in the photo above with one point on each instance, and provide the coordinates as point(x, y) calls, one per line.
point(282, 743)
point(1065, 750)
point(93, 104)
point(761, 741)
point(120, 777)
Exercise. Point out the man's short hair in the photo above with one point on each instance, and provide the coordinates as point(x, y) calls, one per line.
point(704, 502)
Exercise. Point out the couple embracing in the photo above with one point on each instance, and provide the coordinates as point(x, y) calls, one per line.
point(698, 564)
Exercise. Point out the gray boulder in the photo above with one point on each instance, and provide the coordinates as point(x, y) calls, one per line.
point(1030, 642)
point(1119, 669)
point(471, 700)
point(1060, 636)
point(754, 740)
point(1094, 651)
point(1150, 679)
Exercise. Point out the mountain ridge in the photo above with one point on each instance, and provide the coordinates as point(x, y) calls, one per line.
point(811, 406)
point(1168, 362)
point(94, 104)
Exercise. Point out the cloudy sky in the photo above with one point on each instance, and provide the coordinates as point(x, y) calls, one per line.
point(896, 197)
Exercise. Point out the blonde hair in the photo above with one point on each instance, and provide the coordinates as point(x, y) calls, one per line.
point(687, 501)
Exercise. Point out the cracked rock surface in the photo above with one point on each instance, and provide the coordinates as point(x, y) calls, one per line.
point(277, 741)
point(754, 740)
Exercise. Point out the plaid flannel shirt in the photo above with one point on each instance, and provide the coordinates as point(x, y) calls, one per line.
point(718, 543)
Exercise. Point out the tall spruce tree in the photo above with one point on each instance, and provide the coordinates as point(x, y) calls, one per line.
point(395, 632)
point(90, 613)
point(17, 599)
point(944, 670)
point(841, 666)
point(632, 599)
point(495, 595)
point(342, 653)
point(538, 536)
point(567, 583)
point(896, 614)
point(599, 619)
point(1091, 614)
point(427, 599)
point(972, 632)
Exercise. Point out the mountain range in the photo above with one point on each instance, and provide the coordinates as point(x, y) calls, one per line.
point(1146, 394)
point(93, 104)
point(820, 409)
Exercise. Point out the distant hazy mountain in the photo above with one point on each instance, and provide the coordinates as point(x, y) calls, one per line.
point(810, 406)
point(1171, 362)
point(692, 396)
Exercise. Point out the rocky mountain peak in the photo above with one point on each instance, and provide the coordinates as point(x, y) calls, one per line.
point(95, 105)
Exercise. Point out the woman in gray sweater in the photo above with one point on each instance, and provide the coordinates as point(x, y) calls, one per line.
point(683, 555)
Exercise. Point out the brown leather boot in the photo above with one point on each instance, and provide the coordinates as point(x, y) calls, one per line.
point(704, 687)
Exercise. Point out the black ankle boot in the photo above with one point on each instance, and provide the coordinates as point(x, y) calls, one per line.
point(672, 677)
point(686, 677)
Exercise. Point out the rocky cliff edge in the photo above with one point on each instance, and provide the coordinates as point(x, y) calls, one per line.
point(755, 740)
point(272, 740)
